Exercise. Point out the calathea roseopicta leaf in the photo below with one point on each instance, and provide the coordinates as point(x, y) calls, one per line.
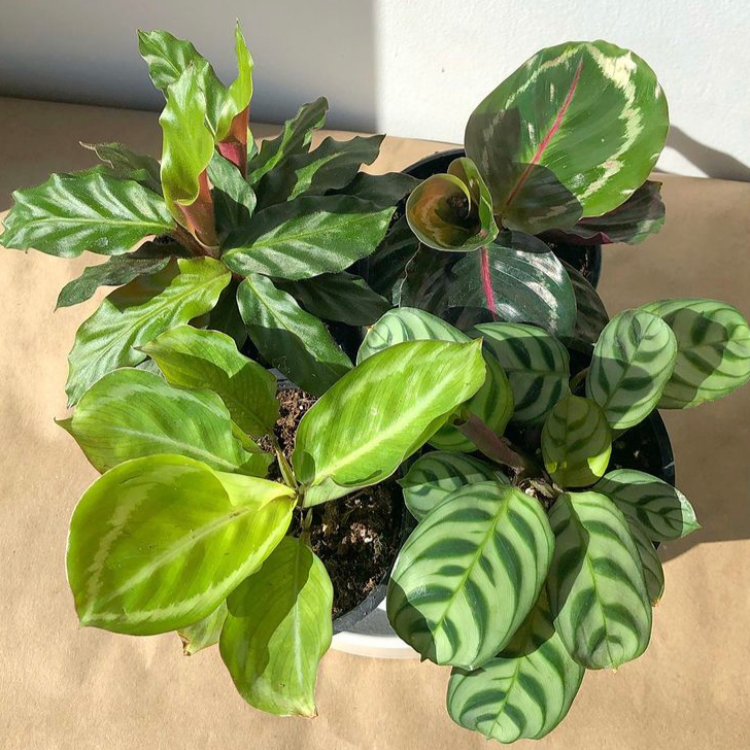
point(591, 315)
point(93, 210)
point(363, 428)
point(596, 585)
point(517, 278)
point(632, 363)
point(435, 475)
point(234, 200)
point(204, 633)
point(291, 339)
point(127, 164)
point(470, 573)
point(527, 139)
point(278, 629)
point(576, 442)
point(525, 691)
point(713, 350)
point(382, 189)
point(307, 237)
point(135, 313)
point(157, 543)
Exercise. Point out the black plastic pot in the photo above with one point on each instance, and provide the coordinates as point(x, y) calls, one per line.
point(587, 260)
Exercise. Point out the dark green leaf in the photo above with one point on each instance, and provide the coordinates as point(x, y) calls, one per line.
point(226, 318)
point(591, 314)
point(234, 199)
point(384, 269)
point(382, 189)
point(128, 165)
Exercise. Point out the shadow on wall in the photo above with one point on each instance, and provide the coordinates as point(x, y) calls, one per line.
point(711, 161)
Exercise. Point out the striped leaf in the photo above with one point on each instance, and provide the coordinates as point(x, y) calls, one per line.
point(591, 315)
point(525, 691)
point(278, 629)
point(426, 281)
point(662, 510)
point(596, 586)
point(653, 573)
point(576, 442)
point(537, 366)
point(713, 350)
point(366, 425)
point(572, 133)
point(470, 573)
point(435, 475)
point(632, 363)
point(158, 543)
point(204, 633)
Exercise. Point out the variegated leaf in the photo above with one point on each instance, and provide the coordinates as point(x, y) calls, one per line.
point(653, 574)
point(204, 633)
point(470, 573)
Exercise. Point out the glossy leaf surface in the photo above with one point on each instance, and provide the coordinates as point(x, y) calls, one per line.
point(591, 315)
point(128, 164)
point(381, 189)
point(234, 199)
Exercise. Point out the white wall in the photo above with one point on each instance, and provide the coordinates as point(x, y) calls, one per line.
point(406, 67)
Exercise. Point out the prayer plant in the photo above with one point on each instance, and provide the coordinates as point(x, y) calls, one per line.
point(253, 242)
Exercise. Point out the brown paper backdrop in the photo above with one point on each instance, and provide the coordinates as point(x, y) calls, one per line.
point(64, 687)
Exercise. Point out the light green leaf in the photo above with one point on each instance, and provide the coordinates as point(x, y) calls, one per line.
point(127, 164)
point(596, 586)
point(158, 543)
point(167, 57)
point(653, 573)
point(130, 414)
point(364, 426)
point(524, 692)
point(191, 358)
point(234, 199)
point(381, 189)
point(470, 573)
point(435, 475)
point(576, 442)
point(134, 314)
point(292, 340)
point(91, 211)
point(204, 633)
point(661, 509)
point(537, 366)
point(632, 363)
point(713, 350)
point(235, 99)
point(307, 237)
point(591, 315)
point(278, 629)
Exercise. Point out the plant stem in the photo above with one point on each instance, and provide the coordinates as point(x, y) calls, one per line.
point(577, 379)
point(287, 473)
point(304, 536)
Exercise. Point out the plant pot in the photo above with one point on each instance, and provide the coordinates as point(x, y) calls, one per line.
point(586, 259)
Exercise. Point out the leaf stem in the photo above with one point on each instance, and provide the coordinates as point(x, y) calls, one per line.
point(287, 473)
point(578, 378)
point(304, 536)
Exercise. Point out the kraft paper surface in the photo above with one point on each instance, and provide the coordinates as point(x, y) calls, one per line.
point(63, 687)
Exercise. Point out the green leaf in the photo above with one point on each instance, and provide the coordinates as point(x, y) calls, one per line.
point(470, 573)
point(427, 281)
point(278, 629)
point(435, 475)
point(167, 57)
point(226, 318)
point(234, 99)
point(307, 237)
point(292, 340)
point(387, 264)
point(205, 633)
point(544, 169)
point(653, 574)
point(127, 164)
point(156, 544)
point(713, 350)
point(340, 296)
point(234, 199)
point(537, 366)
point(364, 426)
point(131, 414)
point(136, 313)
point(591, 317)
point(632, 363)
point(518, 279)
point(522, 693)
point(596, 586)
point(333, 164)
point(195, 359)
point(576, 442)
point(661, 509)
point(90, 211)
point(293, 139)
point(381, 189)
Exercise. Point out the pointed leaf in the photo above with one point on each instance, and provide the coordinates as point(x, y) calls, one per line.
point(384, 268)
point(167, 57)
point(591, 316)
point(128, 164)
point(235, 99)
point(204, 633)
point(653, 574)
point(381, 189)
point(234, 199)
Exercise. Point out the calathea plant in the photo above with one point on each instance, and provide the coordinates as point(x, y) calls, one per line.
point(533, 560)
point(249, 242)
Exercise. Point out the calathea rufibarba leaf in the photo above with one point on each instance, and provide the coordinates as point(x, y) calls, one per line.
point(470, 573)
point(204, 633)
point(519, 279)
point(157, 543)
point(591, 315)
point(363, 427)
point(661, 509)
point(713, 350)
point(522, 693)
point(653, 574)
point(196, 359)
point(127, 164)
point(93, 211)
point(381, 189)
point(234, 200)
point(131, 414)
point(307, 237)
point(452, 211)
point(437, 474)
point(292, 340)
point(537, 366)
point(137, 312)
point(596, 585)
point(526, 135)
point(576, 442)
point(278, 629)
